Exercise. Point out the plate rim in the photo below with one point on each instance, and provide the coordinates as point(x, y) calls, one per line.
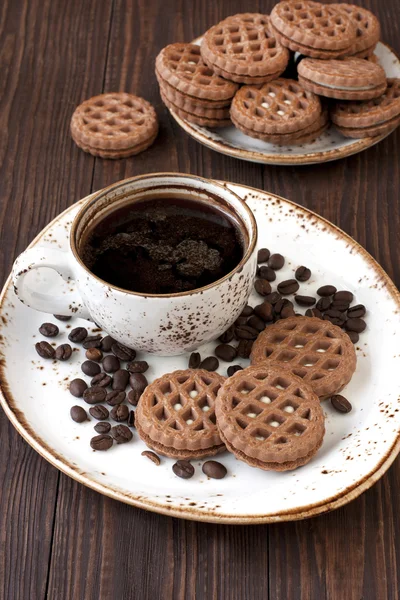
point(190, 513)
point(311, 158)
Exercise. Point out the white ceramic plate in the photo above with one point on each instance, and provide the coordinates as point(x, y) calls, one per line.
point(358, 446)
point(331, 145)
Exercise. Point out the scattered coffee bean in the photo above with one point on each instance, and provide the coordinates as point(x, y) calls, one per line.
point(123, 352)
point(266, 273)
point(101, 380)
point(340, 305)
point(194, 360)
point(138, 366)
point(326, 290)
point(120, 380)
point(77, 335)
point(93, 341)
point(101, 442)
point(94, 354)
point(63, 352)
point(228, 335)
point(262, 287)
point(45, 350)
point(78, 414)
point(49, 330)
point(240, 321)
point(272, 298)
point(99, 412)
point(183, 469)
point(102, 427)
point(334, 320)
point(244, 348)
point(276, 261)
point(211, 363)
point(131, 419)
point(94, 395)
point(63, 317)
point(344, 296)
point(323, 304)
point(335, 314)
point(256, 323)
point(233, 369)
point(115, 397)
point(77, 387)
point(341, 404)
point(290, 286)
point(280, 305)
point(134, 397)
point(152, 456)
point(263, 255)
point(264, 311)
point(138, 382)
point(353, 335)
point(121, 434)
point(244, 332)
point(313, 312)
point(247, 311)
point(90, 368)
point(111, 364)
point(226, 352)
point(214, 469)
point(305, 300)
point(287, 312)
point(355, 312)
point(302, 274)
point(120, 413)
point(106, 343)
point(357, 325)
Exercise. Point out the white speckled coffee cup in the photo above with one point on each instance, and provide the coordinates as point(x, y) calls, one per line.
point(166, 324)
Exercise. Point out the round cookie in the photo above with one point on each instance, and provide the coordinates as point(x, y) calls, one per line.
point(311, 348)
point(203, 121)
point(368, 29)
point(270, 418)
point(345, 79)
point(176, 414)
point(114, 125)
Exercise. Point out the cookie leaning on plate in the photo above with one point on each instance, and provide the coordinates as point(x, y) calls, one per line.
point(368, 29)
point(344, 79)
point(176, 414)
point(269, 418)
point(114, 125)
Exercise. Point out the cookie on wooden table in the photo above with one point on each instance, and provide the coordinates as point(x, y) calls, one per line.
point(368, 29)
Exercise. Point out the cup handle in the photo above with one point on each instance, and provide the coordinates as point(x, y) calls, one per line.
point(62, 304)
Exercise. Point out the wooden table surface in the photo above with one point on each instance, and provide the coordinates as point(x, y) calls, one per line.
point(58, 539)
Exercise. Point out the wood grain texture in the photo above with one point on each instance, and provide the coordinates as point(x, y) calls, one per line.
point(62, 541)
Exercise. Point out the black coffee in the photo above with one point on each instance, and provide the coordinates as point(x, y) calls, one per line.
point(163, 246)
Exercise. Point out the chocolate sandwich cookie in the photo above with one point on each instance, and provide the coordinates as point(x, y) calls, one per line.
point(367, 27)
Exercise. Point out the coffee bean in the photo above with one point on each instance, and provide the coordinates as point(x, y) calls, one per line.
point(280, 305)
point(266, 273)
point(276, 261)
point(134, 397)
point(120, 381)
point(121, 434)
point(287, 312)
point(138, 382)
point(305, 300)
point(115, 397)
point(341, 404)
point(63, 352)
point(101, 380)
point(290, 286)
point(247, 311)
point(152, 456)
point(101, 442)
point(138, 366)
point(302, 274)
point(272, 298)
point(333, 320)
point(111, 364)
point(244, 348)
point(314, 312)
point(264, 311)
point(353, 335)
point(262, 287)
point(357, 325)
point(344, 296)
point(355, 312)
point(94, 395)
point(77, 387)
point(63, 317)
point(326, 290)
point(106, 343)
point(94, 354)
point(90, 368)
point(183, 469)
point(93, 341)
point(209, 364)
point(336, 314)
point(194, 360)
point(240, 321)
point(245, 332)
point(226, 352)
point(323, 304)
point(263, 255)
point(131, 419)
point(45, 350)
point(256, 323)
point(122, 352)
point(102, 427)
point(78, 414)
point(99, 412)
point(77, 335)
point(233, 369)
point(49, 330)
point(214, 469)
point(228, 335)
point(340, 305)
point(120, 413)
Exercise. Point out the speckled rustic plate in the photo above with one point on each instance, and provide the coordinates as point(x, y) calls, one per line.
point(358, 447)
point(331, 145)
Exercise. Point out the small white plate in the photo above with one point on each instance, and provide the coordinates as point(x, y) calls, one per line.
point(357, 449)
point(331, 145)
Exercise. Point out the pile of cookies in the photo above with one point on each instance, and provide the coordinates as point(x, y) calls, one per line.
point(334, 59)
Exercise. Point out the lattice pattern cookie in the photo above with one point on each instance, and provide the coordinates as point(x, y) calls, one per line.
point(368, 29)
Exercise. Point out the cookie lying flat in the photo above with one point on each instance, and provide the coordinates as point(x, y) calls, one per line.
point(203, 121)
point(315, 350)
point(269, 418)
point(344, 79)
point(176, 414)
point(368, 29)
point(242, 48)
point(114, 125)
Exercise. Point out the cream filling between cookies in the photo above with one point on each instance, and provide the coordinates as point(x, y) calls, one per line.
point(345, 88)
